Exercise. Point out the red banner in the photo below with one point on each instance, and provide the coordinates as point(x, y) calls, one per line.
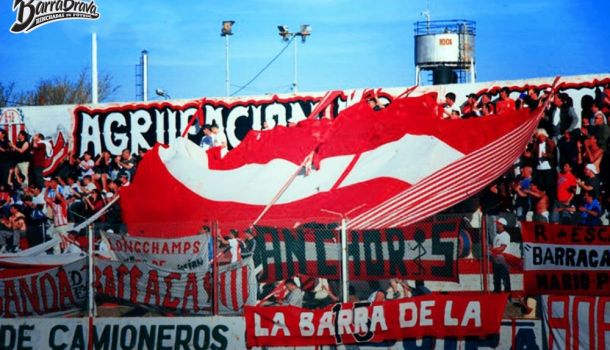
point(566, 260)
point(361, 322)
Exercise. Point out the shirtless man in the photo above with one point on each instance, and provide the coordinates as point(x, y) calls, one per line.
point(541, 203)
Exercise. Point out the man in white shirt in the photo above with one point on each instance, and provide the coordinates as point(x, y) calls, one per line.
point(501, 244)
point(235, 245)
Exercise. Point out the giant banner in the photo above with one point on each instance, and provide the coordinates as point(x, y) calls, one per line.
point(362, 322)
point(41, 290)
point(563, 259)
point(153, 286)
point(426, 251)
point(185, 253)
point(578, 323)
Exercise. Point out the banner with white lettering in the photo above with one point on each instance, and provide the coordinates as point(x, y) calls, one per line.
point(43, 289)
point(154, 286)
point(578, 323)
point(566, 260)
point(219, 333)
point(124, 333)
point(185, 253)
point(360, 322)
point(426, 251)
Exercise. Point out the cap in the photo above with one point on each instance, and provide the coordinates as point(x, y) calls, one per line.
point(502, 221)
point(109, 230)
point(592, 168)
point(471, 95)
point(542, 132)
point(47, 178)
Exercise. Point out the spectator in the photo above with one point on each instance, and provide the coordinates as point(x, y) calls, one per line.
point(505, 103)
point(5, 158)
point(591, 181)
point(469, 108)
point(568, 149)
point(39, 156)
point(605, 101)
point(14, 228)
point(35, 221)
point(207, 141)
point(376, 297)
point(323, 294)
point(501, 244)
point(59, 208)
point(593, 152)
point(22, 158)
point(485, 106)
point(522, 186)
point(545, 157)
point(566, 188)
point(568, 120)
point(397, 290)
point(73, 245)
point(448, 107)
point(352, 297)
point(218, 137)
point(596, 112)
point(233, 244)
point(102, 169)
point(373, 102)
point(590, 211)
point(127, 163)
point(540, 202)
point(601, 131)
point(420, 289)
point(86, 165)
point(295, 294)
point(249, 244)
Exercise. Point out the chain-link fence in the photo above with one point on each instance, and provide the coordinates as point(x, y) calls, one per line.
point(224, 266)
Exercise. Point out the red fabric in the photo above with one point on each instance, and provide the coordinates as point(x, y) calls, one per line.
point(157, 205)
point(431, 315)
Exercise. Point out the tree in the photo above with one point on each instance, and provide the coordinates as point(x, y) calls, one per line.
point(58, 91)
point(7, 94)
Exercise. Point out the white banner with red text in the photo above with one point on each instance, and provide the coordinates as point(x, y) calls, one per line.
point(27, 290)
point(567, 260)
point(362, 322)
point(182, 292)
point(577, 322)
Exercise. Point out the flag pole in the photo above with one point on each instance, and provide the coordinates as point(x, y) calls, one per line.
point(343, 251)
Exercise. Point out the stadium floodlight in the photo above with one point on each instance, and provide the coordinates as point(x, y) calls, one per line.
point(305, 32)
point(227, 28)
point(284, 33)
point(226, 31)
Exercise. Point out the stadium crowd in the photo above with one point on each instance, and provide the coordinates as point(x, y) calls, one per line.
point(563, 176)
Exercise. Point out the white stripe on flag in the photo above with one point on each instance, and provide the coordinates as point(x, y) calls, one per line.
point(451, 184)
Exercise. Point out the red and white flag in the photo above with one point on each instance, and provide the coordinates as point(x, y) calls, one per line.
point(238, 285)
point(388, 168)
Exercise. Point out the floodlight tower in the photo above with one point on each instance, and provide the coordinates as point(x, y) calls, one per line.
point(227, 31)
point(287, 35)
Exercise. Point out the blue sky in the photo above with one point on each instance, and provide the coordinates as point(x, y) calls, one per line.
point(354, 44)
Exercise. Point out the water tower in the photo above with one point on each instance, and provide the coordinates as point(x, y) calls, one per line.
point(446, 49)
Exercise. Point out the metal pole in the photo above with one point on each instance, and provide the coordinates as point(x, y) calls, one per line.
point(294, 84)
point(227, 80)
point(94, 68)
point(92, 311)
point(145, 76)
point(344, 271)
